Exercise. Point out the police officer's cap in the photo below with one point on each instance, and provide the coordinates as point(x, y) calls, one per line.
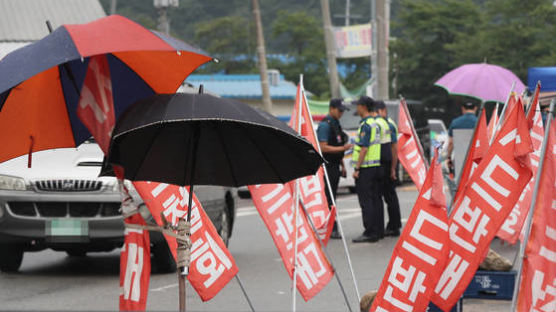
point(379, 105)
point(339, 104)
point(367, 101)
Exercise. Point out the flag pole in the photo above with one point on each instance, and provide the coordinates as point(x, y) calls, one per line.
point(403, 103)
point(244, 292)
point(458, 182)
point(329, 188)
point(529, 220)
point(325, 249)
point(502, 115)
point(295, 214)
point(530, 104)
point(495, 121)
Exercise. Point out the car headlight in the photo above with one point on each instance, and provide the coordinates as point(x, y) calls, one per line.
point(12, 183)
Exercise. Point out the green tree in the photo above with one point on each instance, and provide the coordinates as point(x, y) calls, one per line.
point(303, 41)
point(227, 38)
point(516, 35)
point(421, 54)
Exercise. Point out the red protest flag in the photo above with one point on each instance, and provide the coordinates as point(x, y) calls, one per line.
point(212, 266)
point(421, 252)
point(135, 258)
point(135, 267)
point(274, 203)
point(409, 151)
point(487, 200)
point(313, 189)
point(477, 150)
point(533, 107)
point(492, 123)
point(96, 104)
point(513, 225)
point(537, 290)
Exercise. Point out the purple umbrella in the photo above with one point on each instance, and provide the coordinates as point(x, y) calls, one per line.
point(483, 81)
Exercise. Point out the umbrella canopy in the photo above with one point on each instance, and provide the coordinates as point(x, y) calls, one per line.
point(485, 82)
point(41, 83)
point(225, 142)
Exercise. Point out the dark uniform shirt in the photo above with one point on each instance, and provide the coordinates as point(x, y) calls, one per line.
point(465, 121)
point(330, 131)
point(393, 131)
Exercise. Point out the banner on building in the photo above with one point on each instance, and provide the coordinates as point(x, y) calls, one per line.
point(353, 41)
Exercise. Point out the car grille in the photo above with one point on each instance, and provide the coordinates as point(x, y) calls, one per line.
point(64, 209)
point(68, 185)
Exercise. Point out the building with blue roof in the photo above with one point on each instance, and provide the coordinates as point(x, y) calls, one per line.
point(247, 89)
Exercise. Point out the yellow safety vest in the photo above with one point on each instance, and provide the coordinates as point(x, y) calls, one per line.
point(385, 137)
point(372, 158)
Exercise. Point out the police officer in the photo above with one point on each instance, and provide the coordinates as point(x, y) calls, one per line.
point(367, 172)
point(388, 163)
point(333, 143)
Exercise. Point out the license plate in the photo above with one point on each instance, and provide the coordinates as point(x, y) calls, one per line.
point(66, 230)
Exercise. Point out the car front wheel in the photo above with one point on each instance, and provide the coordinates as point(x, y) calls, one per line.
point(10, 258)
point(225, 227)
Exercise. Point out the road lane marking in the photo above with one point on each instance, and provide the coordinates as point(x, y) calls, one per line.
point(165, 287)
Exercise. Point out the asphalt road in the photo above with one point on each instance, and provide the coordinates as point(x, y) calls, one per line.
point(53, 281)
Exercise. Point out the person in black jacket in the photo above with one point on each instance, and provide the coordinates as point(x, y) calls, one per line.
point(333, 143)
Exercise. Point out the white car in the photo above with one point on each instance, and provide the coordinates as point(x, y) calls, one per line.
point(62, 204)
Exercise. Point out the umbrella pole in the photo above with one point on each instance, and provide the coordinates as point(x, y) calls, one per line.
point(184, 227)
point(329, 189)
point(530, 214)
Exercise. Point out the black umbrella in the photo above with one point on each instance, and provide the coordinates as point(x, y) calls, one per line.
point(199, 139)
point(189, 139)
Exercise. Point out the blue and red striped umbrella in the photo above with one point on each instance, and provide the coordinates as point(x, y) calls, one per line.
point(41, 84)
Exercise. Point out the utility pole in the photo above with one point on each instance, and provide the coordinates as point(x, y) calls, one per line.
point(382, 21)
point(374, 42)
point(163, 19)
point(330, 50)
point(113, 5)
point(348, 4)
point(267, 103)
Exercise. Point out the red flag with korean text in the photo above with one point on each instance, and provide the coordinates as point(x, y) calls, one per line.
point(537, 290)
point(408, 148)
point(312, 188)
point(95, 109)
point(492, 123)
point(135, 266)
point(485, 203)
point(513, 225)
point(421, 252)
point(96, 104)
point(531, 114)
point(212, 266)
point(477, 150)
point(275, 205)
